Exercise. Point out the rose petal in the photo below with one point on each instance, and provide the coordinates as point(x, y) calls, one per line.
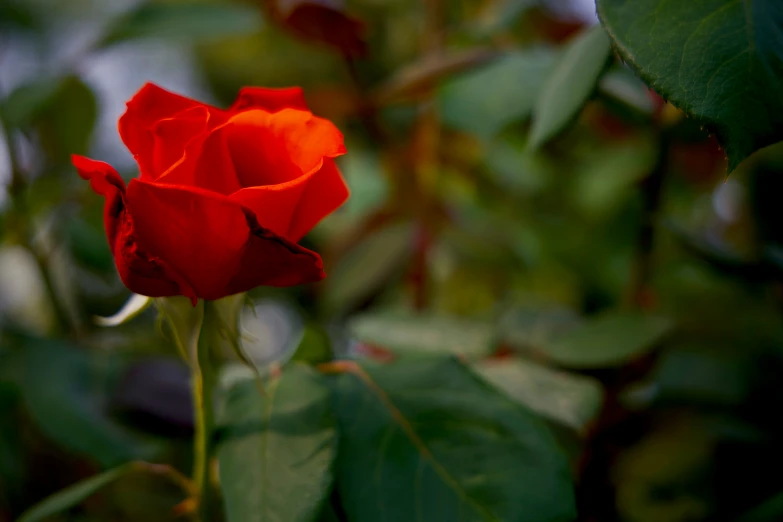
point(141, 273)
point(277, 158)
point(260, 149)
point(271, 100)
point(105, 181)
point(273, 148)
point(147, 107)
point(272, 260)
point(213, 241)
point(324, 192)
point(172, 135)
point(206, 164)
point(273, 206)
point(292, 209)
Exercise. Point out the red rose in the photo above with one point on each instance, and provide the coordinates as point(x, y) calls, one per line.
point(223, 196)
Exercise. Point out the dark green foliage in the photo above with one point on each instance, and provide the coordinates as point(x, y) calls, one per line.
point(277, 447)
point(498, 461)
point(719, 60)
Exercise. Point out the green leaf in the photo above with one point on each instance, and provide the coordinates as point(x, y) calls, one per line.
point(63, 395)
point(425, 439)
point(73, 495)
point(424, 334)
point(484, 101)
point(367, 268)
point(314, 347)
point(529, 327)
point(719, 60)
point(569, 399)
point(569, 84)
point(15, 15)
point(63, 112)
point(67, 124)
point(28, 100)
point(516, 167)
point(88, 245)
point(135, 305)
point(277, 451)
point(703, 374)
point(607, 340)
point(606, 177)
point(183, 21)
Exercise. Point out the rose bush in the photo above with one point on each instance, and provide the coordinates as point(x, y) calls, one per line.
point(223, 196)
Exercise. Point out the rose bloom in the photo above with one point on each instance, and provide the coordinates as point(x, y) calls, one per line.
point(223, 196)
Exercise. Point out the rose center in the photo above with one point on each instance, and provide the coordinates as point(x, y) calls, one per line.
point(262, 149)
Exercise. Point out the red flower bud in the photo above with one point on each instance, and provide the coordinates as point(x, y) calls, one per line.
point(223, 196)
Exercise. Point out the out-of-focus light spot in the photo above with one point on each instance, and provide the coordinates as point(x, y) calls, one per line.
point(270, 332)
point(118, 73)
point(5, 170)
point(22, 294)
point(582, 10)
point(727, 200)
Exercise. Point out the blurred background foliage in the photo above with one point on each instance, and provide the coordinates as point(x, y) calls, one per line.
point(519, 199)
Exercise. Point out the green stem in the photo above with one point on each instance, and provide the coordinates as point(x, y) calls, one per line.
point(203, 399)
point(16, 191)
point(652, 192)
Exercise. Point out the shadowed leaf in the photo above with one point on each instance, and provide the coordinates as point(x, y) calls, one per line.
point(62, 111)
point(72, 496)
point(483, 101)
point(406, 333)
point(276, 451)
point(719, 60)
point(569, 85)
point(62, 394)
point(366, 268)
point(569, 399)
point(607, 340)
point(498, 462)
